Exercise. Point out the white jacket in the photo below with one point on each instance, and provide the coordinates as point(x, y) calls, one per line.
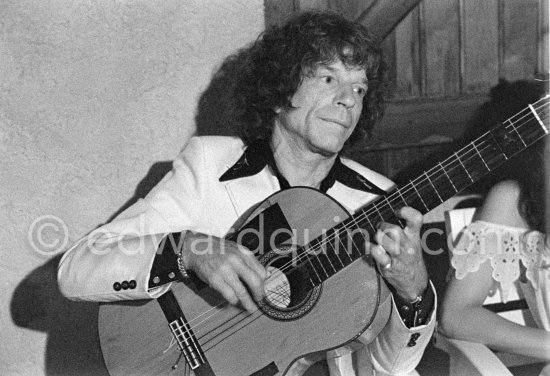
point(191, 197)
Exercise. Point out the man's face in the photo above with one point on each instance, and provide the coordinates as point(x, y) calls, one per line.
point(327, 106)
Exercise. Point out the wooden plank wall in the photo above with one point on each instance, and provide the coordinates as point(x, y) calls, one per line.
point(446, 48)
point(444, 57)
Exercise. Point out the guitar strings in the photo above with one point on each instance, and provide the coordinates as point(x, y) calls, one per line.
point(511, 125)
point(430, 171)
point(282, 296)
point(224, 330)
point(274, 294)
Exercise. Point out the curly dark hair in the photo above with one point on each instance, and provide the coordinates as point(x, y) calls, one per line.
point(267, 73)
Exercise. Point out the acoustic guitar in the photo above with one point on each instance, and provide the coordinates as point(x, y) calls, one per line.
point(322, 291)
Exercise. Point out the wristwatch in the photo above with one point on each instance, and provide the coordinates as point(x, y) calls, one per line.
point(415, 312)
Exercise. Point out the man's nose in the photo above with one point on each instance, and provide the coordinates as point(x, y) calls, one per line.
point(345, 97)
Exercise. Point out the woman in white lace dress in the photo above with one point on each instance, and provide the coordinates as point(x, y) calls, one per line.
point(504, 246)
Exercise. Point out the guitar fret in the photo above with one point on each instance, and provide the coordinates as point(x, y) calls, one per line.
point(387, 212)
point(343, 246)
point(308, 258)
point(355, 235)
point(347, 253)
point(399, 220)
point(412, 200)
point(483, 160)
point(448, 177)
point(346, 241)
point(402, 198)
point(317, 256)
point(435, 189)
point(348, 248)
point(498, 145)
point(389, 204)
point(516, 131)
point(324, 257)
point(361, 247)
point(474, 162)
point(457, 174)
point(491, 152)
point(354, 246)
point(370, 223)
point(464, 167)
point(416, 190)
point(326, 252)
point(378, 211)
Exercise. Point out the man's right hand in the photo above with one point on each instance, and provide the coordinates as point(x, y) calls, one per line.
point(225, 266)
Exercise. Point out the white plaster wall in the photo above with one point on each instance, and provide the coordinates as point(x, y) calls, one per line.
point(92, 93)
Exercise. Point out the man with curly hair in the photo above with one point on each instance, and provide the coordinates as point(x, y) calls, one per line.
point(302, 93)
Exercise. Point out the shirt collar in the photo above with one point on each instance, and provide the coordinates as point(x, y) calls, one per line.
point(258, 155)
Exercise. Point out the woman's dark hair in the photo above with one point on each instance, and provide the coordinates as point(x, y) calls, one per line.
point(267, 73)
point(527, 168)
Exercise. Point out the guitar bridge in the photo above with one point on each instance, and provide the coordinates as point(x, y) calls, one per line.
point(183, 334)
point(188, 344)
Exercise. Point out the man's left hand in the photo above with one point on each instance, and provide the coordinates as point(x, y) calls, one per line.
point(398, 253)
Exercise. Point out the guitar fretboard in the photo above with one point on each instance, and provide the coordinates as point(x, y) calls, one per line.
point(342, 244)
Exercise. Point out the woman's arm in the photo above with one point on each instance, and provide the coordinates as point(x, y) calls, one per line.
point(463, 316)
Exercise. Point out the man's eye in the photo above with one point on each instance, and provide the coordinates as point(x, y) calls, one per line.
point(361, 91)
point(327, 79)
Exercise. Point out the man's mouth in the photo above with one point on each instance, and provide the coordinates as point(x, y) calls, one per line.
point(342, 123)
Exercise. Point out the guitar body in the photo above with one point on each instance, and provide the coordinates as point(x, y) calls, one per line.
point(136, 339)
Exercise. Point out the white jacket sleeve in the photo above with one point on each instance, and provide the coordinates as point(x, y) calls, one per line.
point(397, 350)
point(114, 261)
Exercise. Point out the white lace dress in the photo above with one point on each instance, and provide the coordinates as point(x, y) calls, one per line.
point(511, 250)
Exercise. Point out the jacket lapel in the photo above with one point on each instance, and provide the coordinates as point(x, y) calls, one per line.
point(246, 192)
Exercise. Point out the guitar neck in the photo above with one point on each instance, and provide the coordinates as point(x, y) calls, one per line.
point(466, 166)
point(433, 187)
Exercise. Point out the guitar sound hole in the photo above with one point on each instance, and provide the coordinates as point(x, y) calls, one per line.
point(288, 290)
